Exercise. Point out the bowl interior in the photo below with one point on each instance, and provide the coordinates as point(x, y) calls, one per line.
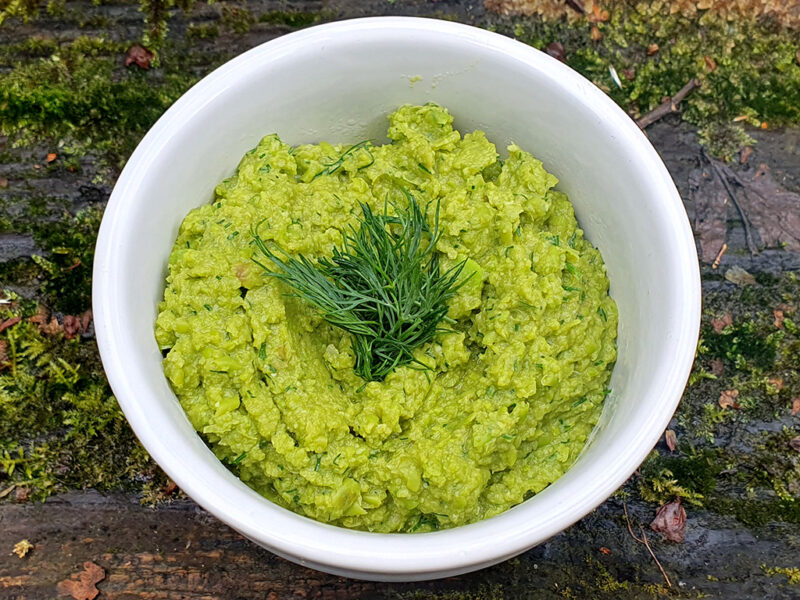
point(337, 83)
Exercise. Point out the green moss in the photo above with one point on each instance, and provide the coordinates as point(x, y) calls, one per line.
point(82, 96)
point(745, 345)
point(494, 592)
point(727, 461)
point(689, 476)
point(23, 9)
point(202, 32)
point(751, 72)
point(237, 18)
point(792, 574)
point(294, 18)
point(66, 269)
point(60, 427)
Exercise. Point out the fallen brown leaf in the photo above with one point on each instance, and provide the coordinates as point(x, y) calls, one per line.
point(46, 324)
point(719, 324)
point(82, 586)
point(72, 326)
point(671, 439)
point(596, 34)
point(9, 323)
point(3, 182)
point(727, 399)
point(629, 74)
point(51, 157)
point(556, 50)
point(739, 276)
point(652, 49)
point(670, 521)
point(795, 406)
point(778, 314)
point(746, 152)
point(86, 319)
point(140, 56)
point(717, 367)
point(794, 443)
point(22, 547)
point(605, 550)
point(22, 494)
point(598, 15)
point(711, 64)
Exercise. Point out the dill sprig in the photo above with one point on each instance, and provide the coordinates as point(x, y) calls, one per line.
point(382, 285)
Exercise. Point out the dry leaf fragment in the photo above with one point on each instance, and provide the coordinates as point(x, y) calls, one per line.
point(140, 56)
point(796, 406)
point(739, 276)
point(746, 152)
point(72, 326)
point(670, 521)
point(22, 548)
point(556, 50)
point(9, 323)
point(727, 399)
point(719, 324)
point(740, 118)
point(605, 550)
point(652, 49)
point(671, 439)
point(595, 33)
point(711, 64)
point(4, 362)
point(3, 182)
point(794, 443)
point(51, 157)
point(82, 586)
point(717, 367)
point(629, 74)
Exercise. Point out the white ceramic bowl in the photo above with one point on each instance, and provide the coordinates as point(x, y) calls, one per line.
point(338, 82)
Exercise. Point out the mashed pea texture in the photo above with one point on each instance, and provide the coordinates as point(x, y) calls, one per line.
point(511, 394)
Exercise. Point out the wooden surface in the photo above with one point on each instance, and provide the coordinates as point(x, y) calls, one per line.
point(177, 551)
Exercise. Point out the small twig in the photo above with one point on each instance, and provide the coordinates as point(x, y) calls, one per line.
point(575, 5)
point(719, 256)
point(669, 106)
point(723, 178)
point(643, 540)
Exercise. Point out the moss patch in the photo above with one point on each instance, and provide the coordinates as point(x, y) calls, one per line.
point(749, 70)
point(727, 460)
point(80, 94)
point(60, 427)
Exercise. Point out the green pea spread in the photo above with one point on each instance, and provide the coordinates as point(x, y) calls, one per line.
point(499, 404)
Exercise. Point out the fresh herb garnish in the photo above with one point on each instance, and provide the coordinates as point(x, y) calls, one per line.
point(383, 286)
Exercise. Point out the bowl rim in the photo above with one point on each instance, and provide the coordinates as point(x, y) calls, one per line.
point(334, 548)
